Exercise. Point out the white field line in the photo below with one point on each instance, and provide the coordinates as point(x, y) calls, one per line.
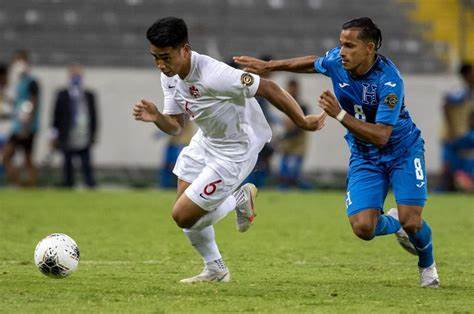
point(89, 262)
point(156, 262)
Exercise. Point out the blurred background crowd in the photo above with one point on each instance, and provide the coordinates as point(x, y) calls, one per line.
point(70, 71)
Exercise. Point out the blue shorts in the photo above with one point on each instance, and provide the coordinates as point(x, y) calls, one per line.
point(368, 181)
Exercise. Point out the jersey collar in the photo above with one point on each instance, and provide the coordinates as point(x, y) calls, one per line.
point(369, 71)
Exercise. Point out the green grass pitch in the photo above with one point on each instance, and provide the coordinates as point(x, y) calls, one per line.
point(300, 256)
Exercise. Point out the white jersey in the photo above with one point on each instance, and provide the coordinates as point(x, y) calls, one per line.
point(220, 100)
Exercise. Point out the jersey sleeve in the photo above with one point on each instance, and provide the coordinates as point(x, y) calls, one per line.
point(231, 82)
point(323, 65)
point(170, 106)
point(390, 101)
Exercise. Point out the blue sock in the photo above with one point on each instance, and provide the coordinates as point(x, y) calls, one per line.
point(386, 225)
point(423, 244)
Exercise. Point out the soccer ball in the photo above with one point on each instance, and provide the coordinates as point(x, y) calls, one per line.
point(57, 255)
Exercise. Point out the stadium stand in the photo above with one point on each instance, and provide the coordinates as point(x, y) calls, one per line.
point(450, 26)
point(111, 33)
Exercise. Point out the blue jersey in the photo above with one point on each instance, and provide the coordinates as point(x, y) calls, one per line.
point(375, 97)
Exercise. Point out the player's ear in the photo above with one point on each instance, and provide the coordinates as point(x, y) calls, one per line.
point(371, 46)
point(186, 49)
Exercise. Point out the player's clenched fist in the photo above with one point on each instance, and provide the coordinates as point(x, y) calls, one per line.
point(145, 110)
point(328, 102)
point(315, 122)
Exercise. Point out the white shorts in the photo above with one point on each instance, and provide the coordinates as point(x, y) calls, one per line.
point(212, 180)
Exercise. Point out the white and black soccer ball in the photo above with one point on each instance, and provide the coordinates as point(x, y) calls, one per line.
point(57, 255)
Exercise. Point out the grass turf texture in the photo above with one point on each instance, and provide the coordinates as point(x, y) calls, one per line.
point(300, 256)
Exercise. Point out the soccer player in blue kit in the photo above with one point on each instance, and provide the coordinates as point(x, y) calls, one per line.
point(386, 146)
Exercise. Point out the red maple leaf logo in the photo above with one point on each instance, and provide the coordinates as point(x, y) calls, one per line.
point(194, 91)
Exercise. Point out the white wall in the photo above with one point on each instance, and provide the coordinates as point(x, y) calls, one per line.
point(123, 141)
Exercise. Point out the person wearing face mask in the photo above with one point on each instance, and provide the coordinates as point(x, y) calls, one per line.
point(24, 91)
point(74, 127)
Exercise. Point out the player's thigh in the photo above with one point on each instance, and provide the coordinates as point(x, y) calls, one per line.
point(367, 187)
point(181, 187)
point(408, 179)
point(186, 212)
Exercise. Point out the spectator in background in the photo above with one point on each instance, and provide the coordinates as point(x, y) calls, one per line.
point(176, 143)
point(262, 170)
point(25, 121)
point(292, 146)
point(463, 149)
point(3, 101)
point(457, 107)
point(3, 88)
point(75, 127)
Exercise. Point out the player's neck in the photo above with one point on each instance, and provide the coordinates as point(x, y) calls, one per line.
point(364, 67)
point(186, 69)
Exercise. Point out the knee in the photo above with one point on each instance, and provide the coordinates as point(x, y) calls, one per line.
point(412, 224)
point(363, 231)
point(181, 219)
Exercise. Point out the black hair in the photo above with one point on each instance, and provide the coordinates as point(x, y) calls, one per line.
point(465, 69)
point(3, 69)
point(168, 32)
point(368, 30)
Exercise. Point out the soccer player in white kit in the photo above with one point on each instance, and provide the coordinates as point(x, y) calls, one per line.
point(223, 152)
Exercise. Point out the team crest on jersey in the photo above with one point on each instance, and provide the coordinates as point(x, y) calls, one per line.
point(369, 94)
point(246, 79)
point(391, 100)
point(194, 91)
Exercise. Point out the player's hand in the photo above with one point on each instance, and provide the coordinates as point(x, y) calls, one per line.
point(315, 122)
point(253, 65)
point(146, 111)
point(328, 102)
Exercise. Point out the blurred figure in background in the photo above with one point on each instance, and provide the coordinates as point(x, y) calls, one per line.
point(262, 170)
point(3, 88)
point(176, 143)
point(463, 151)
point(457, 107)
point(75, 124)
point(25, 120)
point(292, 146)
point(3, 116)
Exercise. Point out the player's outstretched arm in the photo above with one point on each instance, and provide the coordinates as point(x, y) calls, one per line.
point(146, 111)
point(377, 134)
point(286, 103)
point(297, 65)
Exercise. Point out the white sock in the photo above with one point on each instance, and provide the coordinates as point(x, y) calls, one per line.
point(213, 217)
point(204, 242)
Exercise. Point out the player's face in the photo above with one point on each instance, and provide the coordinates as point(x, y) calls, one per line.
point(169, 60)
point(354, 51)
